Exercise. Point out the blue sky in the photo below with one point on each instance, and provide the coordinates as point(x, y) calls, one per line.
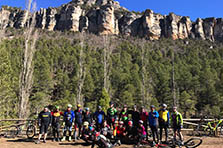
point(191, 8)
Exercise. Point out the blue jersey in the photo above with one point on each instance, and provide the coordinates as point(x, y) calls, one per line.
point(153, 118)
point(69, 117)
point(99, 115)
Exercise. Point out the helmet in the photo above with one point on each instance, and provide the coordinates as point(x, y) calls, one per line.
point(140, 122)
point(116, 122)
point(57, 107)
point(99, 107)
point(174, 107)
point(134, 106)
point(86, 123)
point(111, 103)
point(87, 108)
point(69, 105)
point(164, 105)
point(130, 123)
point(121, 122)
point(125, 106)
point(78, 105)
point(152, 106)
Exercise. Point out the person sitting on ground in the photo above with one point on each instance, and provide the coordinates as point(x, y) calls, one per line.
point(153, 123)
point(78, 122)
point(131, 133)
point(87, 132)
point(56, 116)
point(177, 123)
point(99, 116)
point(164, 121)
point(141, 132)
point(68, 122)
point(106, 130)
point(44, 121)
point(120, 133)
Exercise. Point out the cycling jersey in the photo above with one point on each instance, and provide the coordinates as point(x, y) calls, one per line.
point(124, 115)
point(78, 116)
point(144, 116)
point(87, 117)
point(153, 118)
point(164, 116)
point(176, 119)
point(99, 115)
point(44, 118)
point(56, 117)
point(69, 117)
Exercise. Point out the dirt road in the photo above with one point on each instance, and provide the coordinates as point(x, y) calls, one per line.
point(23, 143)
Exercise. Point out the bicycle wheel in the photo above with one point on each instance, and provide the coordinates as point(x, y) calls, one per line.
point(221, 131)
point(12, 132)
point(193, 142)
point(31, 131)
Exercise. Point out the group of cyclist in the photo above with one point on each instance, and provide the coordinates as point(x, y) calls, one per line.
point(112, 124)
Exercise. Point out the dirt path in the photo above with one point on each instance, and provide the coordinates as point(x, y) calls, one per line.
point(23, 143)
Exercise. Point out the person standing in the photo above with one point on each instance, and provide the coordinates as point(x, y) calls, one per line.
point(124, 115)
point(87, 116)
point(164, 121)
point(78, 122)
point(177, 123)
point(44, 121)
point(69, 117)
point(111, 114)
point(144, 117)
point(153, 123)
point(135, 116)
point(56, 115)
point(99, 116)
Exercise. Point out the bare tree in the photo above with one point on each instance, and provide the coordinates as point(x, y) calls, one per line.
point(26, 74)
point(106, 58)
point(82, 70)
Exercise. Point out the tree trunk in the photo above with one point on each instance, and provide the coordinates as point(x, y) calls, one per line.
point(26, 74)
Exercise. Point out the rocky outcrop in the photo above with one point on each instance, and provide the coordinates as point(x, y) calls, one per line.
point(108, 17)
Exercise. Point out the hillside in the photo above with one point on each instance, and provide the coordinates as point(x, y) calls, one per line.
point(108, 17)
point(134, 71)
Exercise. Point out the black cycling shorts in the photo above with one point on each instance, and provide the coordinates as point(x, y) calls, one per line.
point(44, 128)
point(177, 128)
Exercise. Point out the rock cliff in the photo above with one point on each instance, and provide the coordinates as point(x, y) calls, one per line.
point(108, 17)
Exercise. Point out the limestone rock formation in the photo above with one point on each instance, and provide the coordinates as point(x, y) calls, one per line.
point(108, 17)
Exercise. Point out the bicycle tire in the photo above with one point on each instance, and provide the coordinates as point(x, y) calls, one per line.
point(221, 130)
point(193, 142)
point(208, 132)
point(12, 132)
point(31, 131)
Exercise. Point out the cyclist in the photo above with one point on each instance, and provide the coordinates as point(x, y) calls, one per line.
point(68, 119)
point(87, 116)
point(177, 123)
point(124, 115)
point(106, 130)
point(44, 121)
point(131, 131)
point(111, 114)
point(153, 123)
point(87, 132)
point(141, 132)
point(135, 116)
point(56, 115)
point(120, 132)
point(99, 116)
point(164, 121)
point(144, 117)
point(78, 122)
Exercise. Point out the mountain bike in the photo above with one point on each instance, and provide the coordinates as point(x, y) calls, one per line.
point(31, 130)
point(212, 128)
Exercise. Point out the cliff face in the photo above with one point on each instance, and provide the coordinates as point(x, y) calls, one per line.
point(108, 17)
